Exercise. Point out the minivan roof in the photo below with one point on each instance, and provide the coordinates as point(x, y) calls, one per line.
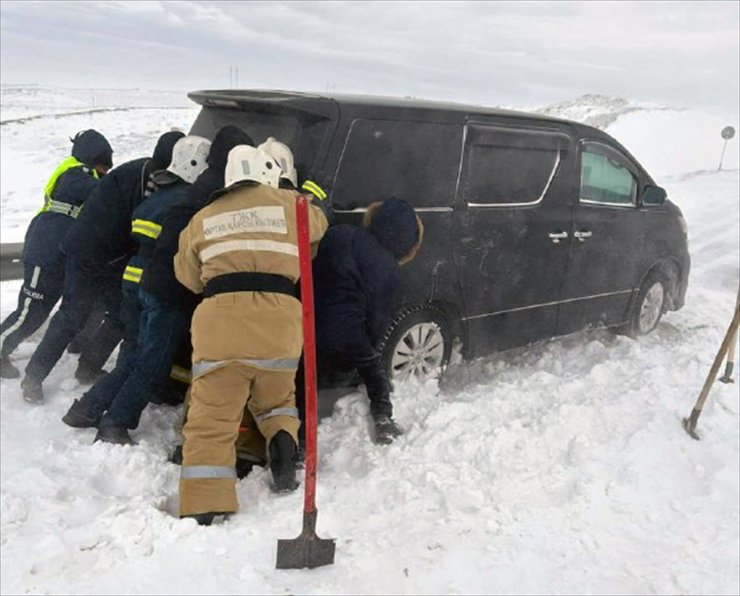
point(303, 100)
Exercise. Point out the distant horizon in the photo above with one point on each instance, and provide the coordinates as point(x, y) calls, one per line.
point(733, 119)
point(672, 53)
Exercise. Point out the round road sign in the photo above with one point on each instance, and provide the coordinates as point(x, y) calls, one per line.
point(728, 132)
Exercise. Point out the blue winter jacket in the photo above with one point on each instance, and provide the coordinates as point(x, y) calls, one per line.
point(146, 222)
point(356, 275)
point(101, 236)
point(41, 246)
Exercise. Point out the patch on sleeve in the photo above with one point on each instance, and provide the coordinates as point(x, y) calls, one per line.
point(270, 220)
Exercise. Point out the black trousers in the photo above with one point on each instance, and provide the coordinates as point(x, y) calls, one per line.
point(42, 287)
point(333, 366)
point(84, 288)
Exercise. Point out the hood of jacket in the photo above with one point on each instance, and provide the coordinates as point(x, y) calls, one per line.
point(395, 225)
point(225, 140)
point(162, 155)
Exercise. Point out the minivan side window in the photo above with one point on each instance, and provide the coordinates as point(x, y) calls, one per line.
point(605, 179)
point(505, 167)
point(414, 161)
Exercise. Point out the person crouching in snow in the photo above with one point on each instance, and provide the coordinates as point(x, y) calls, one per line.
point(356, 274)
point(241, 252)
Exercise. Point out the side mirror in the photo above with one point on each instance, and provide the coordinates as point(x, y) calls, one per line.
point(653, 195)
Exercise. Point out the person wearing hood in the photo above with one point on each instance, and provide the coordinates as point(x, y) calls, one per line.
point(65, 193)
point(97, 248)
point(241, 252)
point(356, 274)
point(153, 328)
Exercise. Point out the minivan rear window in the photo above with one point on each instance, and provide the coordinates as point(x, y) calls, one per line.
point(414, 161)
point(302, 132)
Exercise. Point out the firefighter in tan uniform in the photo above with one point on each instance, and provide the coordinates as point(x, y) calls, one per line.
point(241, 252)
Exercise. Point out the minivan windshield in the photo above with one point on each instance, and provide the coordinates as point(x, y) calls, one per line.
point(301, 131)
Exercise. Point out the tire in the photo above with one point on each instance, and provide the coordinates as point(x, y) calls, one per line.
point(649, 305)
point(418, 343)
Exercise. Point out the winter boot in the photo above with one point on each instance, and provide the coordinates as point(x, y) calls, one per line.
point(282, 462)
point(243, 467)
point(386, 430)
point(300, 456)
point(118, 435)
point(206, 519)
point(78, 417)
point(176, 457)
point(7, 370)
point(33, 393)
point(86, 375)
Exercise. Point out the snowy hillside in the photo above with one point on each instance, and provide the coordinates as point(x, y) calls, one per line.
point(558, 468)
point(36, 123)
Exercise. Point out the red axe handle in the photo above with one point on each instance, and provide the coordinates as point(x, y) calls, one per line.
point(309, 350)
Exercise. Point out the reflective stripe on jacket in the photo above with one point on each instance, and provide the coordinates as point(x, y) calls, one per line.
point(60, 206)
point(249, 229)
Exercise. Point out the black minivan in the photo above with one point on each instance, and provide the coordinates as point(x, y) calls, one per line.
point(534, 226)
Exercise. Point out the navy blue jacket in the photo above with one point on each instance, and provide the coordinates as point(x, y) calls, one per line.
point(47, 230)
point(101, 235)
point(355, 278)
point(159, 277)
point(356, 275)
point(147, 219)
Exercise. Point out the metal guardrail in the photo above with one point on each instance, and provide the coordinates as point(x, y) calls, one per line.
point(11, 266)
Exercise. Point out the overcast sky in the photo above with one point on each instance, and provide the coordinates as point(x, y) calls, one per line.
point(682, 54)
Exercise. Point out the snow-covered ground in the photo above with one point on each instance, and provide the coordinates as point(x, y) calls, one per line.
point(559, 468)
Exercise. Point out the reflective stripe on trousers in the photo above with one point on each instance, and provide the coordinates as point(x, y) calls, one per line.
point(292, 412)
point(26, 306)
point(285, 364)
point(197, 472)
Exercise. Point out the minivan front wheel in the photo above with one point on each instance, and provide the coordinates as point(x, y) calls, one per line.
point(417, 344)
point(649, 305)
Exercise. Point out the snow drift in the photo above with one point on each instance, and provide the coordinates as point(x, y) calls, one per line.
point(558, 468)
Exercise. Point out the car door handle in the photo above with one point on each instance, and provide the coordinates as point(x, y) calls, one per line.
point(558, 236)
point(583, 236)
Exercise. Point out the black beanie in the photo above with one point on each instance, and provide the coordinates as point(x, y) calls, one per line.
point(225, 140)
point(92, 148)
point(162, 155)
point(395, 227)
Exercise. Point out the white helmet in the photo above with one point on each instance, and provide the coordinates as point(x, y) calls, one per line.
point(249, 163)
point(284, 156)
point(189, 157)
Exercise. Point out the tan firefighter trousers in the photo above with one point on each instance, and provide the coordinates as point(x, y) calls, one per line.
point(215, 413)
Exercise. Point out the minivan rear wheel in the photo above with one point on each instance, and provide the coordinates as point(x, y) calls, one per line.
point(417, 344)
point(649, 305)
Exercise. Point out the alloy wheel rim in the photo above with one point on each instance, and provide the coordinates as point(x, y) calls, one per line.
point(651, 308)
point(419, 353)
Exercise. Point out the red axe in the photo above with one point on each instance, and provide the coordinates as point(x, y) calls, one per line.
point(308, 550)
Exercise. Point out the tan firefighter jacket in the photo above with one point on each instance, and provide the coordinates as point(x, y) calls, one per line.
point(248, 229)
